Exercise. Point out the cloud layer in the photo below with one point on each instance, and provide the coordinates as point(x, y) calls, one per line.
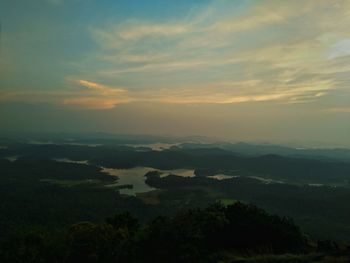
point(287, 52)
point(290, 52)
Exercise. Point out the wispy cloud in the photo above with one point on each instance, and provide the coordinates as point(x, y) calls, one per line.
point(91, 95)
point(340, 49)
point(284, 52)
point(338, 110)
point(190, 96)
point(82, 94)
point(95, 96)
point(227, 93)
point(286, 46)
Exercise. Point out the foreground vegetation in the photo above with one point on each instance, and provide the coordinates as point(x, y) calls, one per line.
point(196, 235)
point(236, 233)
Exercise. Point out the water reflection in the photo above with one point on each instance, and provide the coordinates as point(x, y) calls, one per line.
point(66, 160)
point(134, 176)
point(12, 158)
point(222, 176)
point(132, 181)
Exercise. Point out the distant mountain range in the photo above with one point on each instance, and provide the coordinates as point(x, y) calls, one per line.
point(188, 142)
point(264, 149)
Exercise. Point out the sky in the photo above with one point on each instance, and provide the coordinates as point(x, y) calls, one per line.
point(272, 71)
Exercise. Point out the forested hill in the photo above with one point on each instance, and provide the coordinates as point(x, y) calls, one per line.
point(206, 161)
point(196, 235)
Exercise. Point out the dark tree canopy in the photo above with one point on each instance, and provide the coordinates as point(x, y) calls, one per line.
point(195, 235)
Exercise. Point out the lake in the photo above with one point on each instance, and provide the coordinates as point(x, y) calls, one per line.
point(222, 176)
point(134, 176)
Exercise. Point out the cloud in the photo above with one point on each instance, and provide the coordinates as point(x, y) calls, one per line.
point(91, 103)
point(338, 110)
point(260, 16)
point(267, 51)
point(99, 88)
point(219, 93)
point(85, 94)
point(95, 96)
point(81, 94)
point(339, 49)
point(135, 32)
point(286, 46)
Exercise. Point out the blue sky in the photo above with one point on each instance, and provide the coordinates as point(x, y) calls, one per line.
point(245, 70)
